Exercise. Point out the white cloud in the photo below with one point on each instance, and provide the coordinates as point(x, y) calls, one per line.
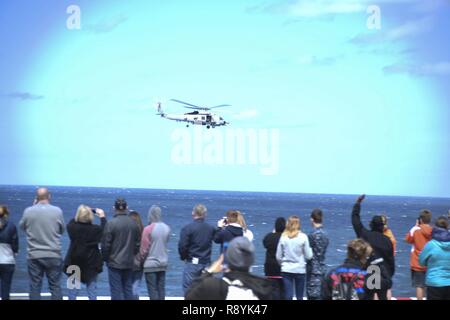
point(410, 28)
point(106, 25)
point(318, 8)
point(432, 69)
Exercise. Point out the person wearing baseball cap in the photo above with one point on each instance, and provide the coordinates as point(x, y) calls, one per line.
point(383, 253)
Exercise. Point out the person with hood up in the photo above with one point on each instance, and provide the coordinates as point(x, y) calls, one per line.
point(272, 269)
point(418, 236)
point(436, 257)
point(154, 254)
point(383, 252)
point(237, 283)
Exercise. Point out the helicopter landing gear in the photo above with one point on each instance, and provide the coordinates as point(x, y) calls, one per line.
point(187, 126)
point(207, 127)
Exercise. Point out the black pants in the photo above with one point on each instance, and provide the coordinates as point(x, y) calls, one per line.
point(6, 274)
point(438, 293)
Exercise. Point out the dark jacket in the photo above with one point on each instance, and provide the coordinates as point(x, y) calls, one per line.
point(9, 242)
point(271, 266)
point(196, 241)
point(84, 248)
point(225, 235)
point(351, 272)
point(121, 240)
point(208, 287)
point(381, 245)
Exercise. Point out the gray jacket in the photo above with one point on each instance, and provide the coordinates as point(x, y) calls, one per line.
point(292, 253)
point(154, 242)
point(43, 225)
point(120, 242)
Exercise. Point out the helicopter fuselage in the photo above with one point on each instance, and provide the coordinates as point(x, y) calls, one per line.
point(197, 118)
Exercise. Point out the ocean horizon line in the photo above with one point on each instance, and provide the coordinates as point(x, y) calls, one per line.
point(230, 191)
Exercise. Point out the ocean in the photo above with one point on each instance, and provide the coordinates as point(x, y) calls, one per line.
point(260, 210)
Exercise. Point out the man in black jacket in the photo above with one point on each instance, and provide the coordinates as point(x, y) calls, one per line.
point(383, 253)
point(120, 244)
point(195, 245)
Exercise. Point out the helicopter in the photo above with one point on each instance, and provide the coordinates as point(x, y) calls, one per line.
point(201, 115)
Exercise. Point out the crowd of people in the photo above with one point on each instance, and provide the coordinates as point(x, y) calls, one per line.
point(294, 260)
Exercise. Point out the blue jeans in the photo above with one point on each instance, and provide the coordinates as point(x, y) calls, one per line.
point(91, 288)
point(156, 285)
point(137, 278)
point(52, 268)
point(6, 274)
point(121, 283)
point(291, 281)
point(190, 272)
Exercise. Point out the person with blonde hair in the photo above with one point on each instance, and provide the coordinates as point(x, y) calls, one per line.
point(84, 252)
point(246, 231)
point(292, 253)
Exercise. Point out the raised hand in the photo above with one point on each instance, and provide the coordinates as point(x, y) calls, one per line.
point(361, 198)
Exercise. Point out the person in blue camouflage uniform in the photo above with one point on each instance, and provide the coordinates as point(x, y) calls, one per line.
point(316, 267)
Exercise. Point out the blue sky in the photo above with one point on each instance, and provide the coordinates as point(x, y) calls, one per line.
point(357, 110)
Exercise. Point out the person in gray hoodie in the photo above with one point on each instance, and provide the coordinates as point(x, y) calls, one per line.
point(293, 251)
point(154, 254)
point(44, 226)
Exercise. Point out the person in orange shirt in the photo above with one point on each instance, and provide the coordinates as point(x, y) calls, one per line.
point(418, 236)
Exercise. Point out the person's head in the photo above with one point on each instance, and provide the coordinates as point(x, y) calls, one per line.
point(233, 216)
point(317, 217)
point(442, 222)
point(4, 212)
point(377, 224)
point(120, 205)
point(240, 254)
point(359, 250)
point(292, 227)
point(199, 211)
point(137, 218)
point(84, 214)
point(154, 214)
point(280, 224)
point(425, 216)
point(42, 194)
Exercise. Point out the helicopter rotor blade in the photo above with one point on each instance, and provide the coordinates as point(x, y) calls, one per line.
point(187, 104)
point(220, 106)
